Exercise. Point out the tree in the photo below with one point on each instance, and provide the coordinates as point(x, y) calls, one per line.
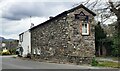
point(116, 10)
point(100, 35)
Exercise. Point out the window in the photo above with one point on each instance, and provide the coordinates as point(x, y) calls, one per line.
point(21, 37)
point(85, 28)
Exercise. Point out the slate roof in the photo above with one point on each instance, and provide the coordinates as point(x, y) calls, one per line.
point(65, 13)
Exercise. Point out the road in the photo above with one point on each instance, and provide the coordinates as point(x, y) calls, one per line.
point(8, 62)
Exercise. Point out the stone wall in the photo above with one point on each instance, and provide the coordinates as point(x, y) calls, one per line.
point(52, 35)
point(61, 37)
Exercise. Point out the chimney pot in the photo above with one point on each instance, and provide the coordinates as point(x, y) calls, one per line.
point(51, 17)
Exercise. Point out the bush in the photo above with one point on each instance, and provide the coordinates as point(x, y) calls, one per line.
point(13, 51)
point(6, 53)
point(94, 62)
point(29, 55)
point(0, 52)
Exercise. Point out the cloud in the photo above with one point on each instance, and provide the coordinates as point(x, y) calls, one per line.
point(15, 14)
point(14, 28)
point(22, 10)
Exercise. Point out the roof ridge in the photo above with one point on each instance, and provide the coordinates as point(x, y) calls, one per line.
point(66, 12)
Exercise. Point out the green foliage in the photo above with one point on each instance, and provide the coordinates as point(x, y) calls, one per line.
point(13, 51)
point(0, 52)
point(108, 42)
point(99, 32)
point(6, 53)
point(105, 63)
point(116, 45)
point(109, 64)
point(112, 44)
point(100, 36)
point(94, 62)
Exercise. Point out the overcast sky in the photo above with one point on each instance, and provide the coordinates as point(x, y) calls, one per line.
point(15, 14)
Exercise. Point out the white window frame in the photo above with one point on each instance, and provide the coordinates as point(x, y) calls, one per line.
point(87, 28)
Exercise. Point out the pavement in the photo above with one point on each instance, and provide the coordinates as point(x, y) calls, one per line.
point(9, 62)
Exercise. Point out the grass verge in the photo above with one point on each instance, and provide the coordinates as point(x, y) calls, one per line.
point(108, 64)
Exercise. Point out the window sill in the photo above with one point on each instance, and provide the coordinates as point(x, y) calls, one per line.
point(85, 34)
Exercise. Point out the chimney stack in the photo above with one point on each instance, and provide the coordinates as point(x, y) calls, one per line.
point(50, 17)
point(32, 25)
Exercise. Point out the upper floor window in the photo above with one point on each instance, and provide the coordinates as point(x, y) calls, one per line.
point(84, 23)
point(21, 38)
point(85, 28)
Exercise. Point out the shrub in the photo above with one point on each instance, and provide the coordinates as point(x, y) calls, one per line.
point(0, 52)
point(13, 51)
point(94, 62)
point(6, 53)
point(29, 55)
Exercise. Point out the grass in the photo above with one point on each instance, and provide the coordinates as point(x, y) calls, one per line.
point(103, 63)
point(116, 58)
point(108, 64)
point(113, 58)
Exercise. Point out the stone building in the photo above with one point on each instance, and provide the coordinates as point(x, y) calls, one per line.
point(69, 34)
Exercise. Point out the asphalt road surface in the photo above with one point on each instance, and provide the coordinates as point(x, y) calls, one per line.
point(8, 62)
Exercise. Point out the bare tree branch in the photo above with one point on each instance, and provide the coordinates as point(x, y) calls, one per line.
point(106, 9)
point(87, 2)
point(113, 9)
point(118, 5)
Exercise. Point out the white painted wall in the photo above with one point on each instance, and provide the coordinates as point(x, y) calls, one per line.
point(26, 43)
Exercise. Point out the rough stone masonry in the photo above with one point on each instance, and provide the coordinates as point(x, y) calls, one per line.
point(60, 37)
